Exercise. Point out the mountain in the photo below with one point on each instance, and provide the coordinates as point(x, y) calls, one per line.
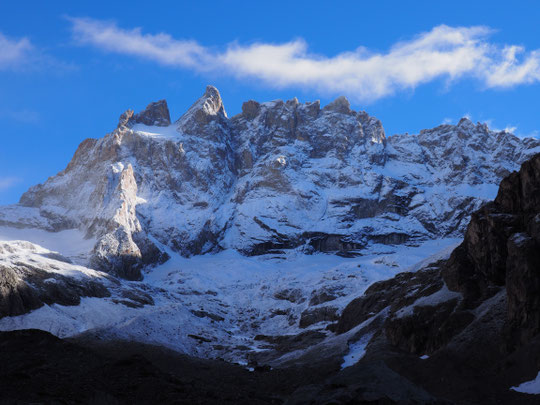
point(459, 327)
point(279, 175)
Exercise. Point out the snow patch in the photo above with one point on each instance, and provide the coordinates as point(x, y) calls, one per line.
point(72, 243)
point(443, 295)
point(153, 131)
point(529, 387)
point(357, 350)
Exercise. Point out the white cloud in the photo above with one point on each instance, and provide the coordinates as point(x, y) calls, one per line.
point(21, 55)
point(509, 71)
point(8, 182)
point(510, 129)
point(161, 48)
point(445, 52)
point(13, 52)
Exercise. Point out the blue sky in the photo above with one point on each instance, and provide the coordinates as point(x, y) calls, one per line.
point(69, 69)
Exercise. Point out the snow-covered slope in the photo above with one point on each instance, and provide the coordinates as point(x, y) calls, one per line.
point(279, 175)
point(222, 305)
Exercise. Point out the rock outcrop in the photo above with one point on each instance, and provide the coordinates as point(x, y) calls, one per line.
point(501, 250)
point(28, 283)
point(32, 276)
point(155, 114)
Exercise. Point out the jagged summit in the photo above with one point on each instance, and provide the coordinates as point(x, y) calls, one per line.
point(465, 122)
point(156, 113)
point(340, 105)
point(206, 109)
point(250, 109)
point(213, 104)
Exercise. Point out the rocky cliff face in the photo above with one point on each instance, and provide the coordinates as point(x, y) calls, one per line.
point(476, 314)
point(278, 175)
point(501, 250)
point(499, 257)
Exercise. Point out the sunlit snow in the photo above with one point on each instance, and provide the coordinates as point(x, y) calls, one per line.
point(226, 298)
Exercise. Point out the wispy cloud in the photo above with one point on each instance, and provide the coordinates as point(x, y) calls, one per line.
point(14, 52)
point(161, 48)
point(20, 54)
point(8, 182)
point(510, 71)
point(449, 53)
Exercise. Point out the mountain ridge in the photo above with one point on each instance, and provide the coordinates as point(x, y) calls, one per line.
point(279, 175)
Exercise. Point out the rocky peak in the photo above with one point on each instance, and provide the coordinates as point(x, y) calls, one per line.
point(311, 109)
point(339, 105)
point(293, 102)
point(155, 114)
point(126, 119)
point(213, 104)
point(465, 123)
point(207, 109)
point(250, 109)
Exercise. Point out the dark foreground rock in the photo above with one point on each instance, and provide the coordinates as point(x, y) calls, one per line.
point(40, 368)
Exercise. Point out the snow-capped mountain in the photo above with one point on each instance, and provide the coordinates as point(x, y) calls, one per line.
point(301, 209)
point(279, 175)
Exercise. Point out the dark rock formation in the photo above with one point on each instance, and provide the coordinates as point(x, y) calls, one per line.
point(126, 119)
point(290, 294)
point(393, 294)
point(156, 113)
point(315, 315)
point(16, 297)
point(37, 367)
point(250, 109)
point(501, 249)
